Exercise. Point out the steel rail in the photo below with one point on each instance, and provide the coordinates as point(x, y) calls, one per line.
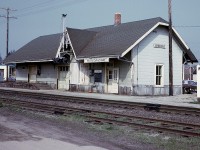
point(144, 126)
point(84, 112)
point(104, 102)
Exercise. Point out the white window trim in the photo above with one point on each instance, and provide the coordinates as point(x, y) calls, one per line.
point(117, 79)
point(162, 79)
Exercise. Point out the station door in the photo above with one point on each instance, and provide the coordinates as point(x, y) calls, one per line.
point(63, 77)
point(113, 80)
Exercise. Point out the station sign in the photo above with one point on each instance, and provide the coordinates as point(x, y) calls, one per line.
point(96, 60)
point(97, 71)
point(159, 46)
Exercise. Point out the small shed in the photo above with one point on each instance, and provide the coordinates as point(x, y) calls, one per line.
point(2, 73)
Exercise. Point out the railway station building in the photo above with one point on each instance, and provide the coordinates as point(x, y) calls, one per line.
point(125, 58)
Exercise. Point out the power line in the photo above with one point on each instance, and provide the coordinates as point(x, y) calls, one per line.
point(47, 7)
point(30, 9)
point(36, 5)
point(191, 26)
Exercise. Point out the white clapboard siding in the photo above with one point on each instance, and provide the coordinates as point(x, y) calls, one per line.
point(84, 73)
point(124, 72)
point(22, 73)
point(145, 56)
point(48, 73)
point(177, 64)
point(74, 72)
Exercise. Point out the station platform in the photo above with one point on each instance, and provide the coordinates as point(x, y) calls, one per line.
point(184, 100)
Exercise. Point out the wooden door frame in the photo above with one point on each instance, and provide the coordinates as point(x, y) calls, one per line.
point(30, 74)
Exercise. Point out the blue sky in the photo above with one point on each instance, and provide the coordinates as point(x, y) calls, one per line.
point(43, 17)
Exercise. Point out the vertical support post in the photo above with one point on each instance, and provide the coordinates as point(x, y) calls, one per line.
point(170, 50)
point(7, 39)
point(106, 79)
point(198, 83)
point(63, 21)
point(7, 31)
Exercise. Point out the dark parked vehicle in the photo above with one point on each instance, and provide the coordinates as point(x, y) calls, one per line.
point(189, 86)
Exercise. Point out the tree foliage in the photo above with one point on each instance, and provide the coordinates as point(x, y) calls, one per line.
point(1, 60)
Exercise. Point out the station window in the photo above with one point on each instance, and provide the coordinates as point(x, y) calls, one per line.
point(115, 75)
point(110, 74)
point(97, 77)
point(63, 68)
point(159, 75)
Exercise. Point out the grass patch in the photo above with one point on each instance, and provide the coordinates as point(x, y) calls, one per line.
point(72, 117)
point(13, 107)
point(195, 102)
point(170, 142)
point(102, 127)
point(162, 141)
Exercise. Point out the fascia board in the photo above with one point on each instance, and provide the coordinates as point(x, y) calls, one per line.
point(28, 61)
point(71, 44)
point(61, 42)
point(98, 57)
point(141, 38)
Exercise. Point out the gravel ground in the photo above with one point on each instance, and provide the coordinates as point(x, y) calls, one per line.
point(135, 112)
point(26, 130)
point(32, 131)
point(29, 131)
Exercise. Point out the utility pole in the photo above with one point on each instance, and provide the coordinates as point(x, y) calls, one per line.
point(170, 49)
point(64, 30)
point(7, 16)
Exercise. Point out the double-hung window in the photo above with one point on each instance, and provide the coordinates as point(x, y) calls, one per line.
point(159, 75)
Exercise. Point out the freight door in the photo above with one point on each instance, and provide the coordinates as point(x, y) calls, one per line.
point(63, 77)
point(32, 73)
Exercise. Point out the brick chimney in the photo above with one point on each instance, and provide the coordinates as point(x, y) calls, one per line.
point(117, 19)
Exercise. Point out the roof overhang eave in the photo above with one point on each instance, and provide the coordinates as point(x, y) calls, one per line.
point(108, 56)
point(29, 61)
point(148, 32)
point(186, 48)
point(142, 37)
point(190, 56)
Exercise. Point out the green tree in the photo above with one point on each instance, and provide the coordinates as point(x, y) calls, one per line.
point(1, 60)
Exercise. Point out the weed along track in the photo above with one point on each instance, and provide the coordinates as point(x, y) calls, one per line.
point(38, 102)
point(184, 129)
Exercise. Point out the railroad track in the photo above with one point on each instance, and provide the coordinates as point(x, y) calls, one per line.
point(184, 129)
point(103, 102)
